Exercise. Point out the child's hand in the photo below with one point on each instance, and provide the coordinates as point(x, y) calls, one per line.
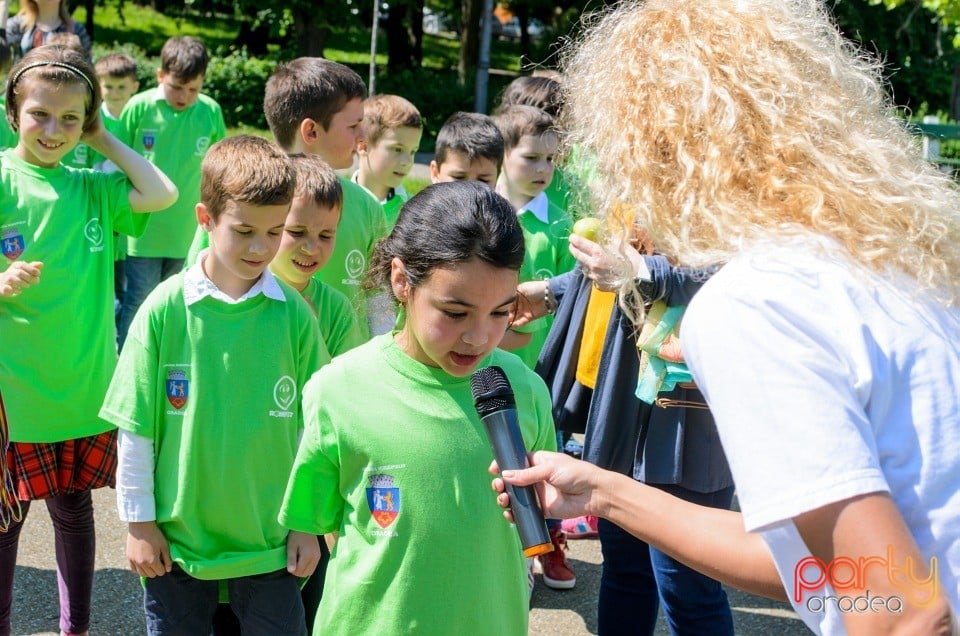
point(147, 550)
point(18, 277)
point(93, 135)
point(303, 553)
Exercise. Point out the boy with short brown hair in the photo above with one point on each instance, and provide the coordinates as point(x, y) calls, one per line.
point(391, 133)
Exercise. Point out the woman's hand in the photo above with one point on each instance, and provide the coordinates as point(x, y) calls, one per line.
point(566, 487)
point(604, 267)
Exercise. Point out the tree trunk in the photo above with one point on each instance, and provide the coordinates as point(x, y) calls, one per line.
point(472, 12)
point(90, 5)
point(523, 17)
point(255, 38)
point(405, 35)
point(310, 36)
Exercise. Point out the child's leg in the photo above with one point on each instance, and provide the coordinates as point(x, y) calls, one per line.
point(75, 538)
point(9, 541)
point(177, 603)
point(268, 604)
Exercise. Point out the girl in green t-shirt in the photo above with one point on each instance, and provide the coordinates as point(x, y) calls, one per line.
point(394, 456)
point(56, 308)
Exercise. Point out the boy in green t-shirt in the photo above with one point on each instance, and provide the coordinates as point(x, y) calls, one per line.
point(117, 73)
point(315, 106)
point(172, 126)
point(469, 148)
point(309, 236)
point(210, 420)
point(530, 142)
point(391, 133)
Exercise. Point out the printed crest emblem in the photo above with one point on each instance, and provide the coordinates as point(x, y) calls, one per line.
point(355, 263)
point(178, 388)
point(12, 243)
point(93, 232)
point(383, 498)
point(285, 392)
point(149, 139)
point(543, 274)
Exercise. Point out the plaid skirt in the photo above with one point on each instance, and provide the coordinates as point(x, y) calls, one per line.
point(41, 471)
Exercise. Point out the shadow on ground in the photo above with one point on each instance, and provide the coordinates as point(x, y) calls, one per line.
point(117, 603)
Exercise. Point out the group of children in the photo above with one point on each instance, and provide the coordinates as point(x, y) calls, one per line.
point(259, 269)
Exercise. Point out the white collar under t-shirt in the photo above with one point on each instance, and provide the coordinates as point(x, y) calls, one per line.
point(197, 286)
point(538, 207)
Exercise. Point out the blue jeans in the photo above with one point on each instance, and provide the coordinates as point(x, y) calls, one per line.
point(636, 578)
point(265, 604)
point(143, 274)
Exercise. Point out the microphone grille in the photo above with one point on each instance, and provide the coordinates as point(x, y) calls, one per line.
point(491, 390)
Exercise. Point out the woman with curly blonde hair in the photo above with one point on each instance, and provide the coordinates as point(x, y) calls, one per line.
point(749, 134)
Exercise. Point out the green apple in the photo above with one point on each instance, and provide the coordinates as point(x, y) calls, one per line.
point(588, 227)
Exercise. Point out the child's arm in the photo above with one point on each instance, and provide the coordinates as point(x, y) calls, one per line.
point(18, 277)
point(303, 553)
point(147, 550)
point(152, 190)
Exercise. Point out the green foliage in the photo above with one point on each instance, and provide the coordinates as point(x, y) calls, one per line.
point(917, 51)
point(148, 29)
point(237, 81)
point(415, 184)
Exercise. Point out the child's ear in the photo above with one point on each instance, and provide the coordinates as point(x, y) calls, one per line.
point(203, 217)
point(309, 131)
point(160, 76)
point(434, 171)
point(398, 280)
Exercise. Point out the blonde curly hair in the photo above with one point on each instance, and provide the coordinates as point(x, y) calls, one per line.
point(720, 122)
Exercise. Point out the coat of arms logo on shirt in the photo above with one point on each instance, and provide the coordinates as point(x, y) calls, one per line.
point(384, 499)
point(149, 139)
point(178, 388)
point(11, 241)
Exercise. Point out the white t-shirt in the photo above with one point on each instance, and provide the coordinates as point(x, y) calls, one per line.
point(829, 382)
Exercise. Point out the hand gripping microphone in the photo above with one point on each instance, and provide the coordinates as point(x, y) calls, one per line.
point(497, 409)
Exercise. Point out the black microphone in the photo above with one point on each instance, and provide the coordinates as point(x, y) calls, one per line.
point(497, 409)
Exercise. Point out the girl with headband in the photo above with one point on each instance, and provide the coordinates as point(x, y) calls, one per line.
point(56, 308)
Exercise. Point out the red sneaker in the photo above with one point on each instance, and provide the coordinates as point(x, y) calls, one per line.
point(580, 528)
point(556, 571)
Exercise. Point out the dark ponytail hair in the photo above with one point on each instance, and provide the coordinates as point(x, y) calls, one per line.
point(446, 224)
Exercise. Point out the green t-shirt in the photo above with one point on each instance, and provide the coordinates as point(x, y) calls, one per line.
point(80, 157)
point(223, 412)
point(362, 224)
point(8, 138)
point(114, 126)
point(58, 337)
point(392, 205)
point(394, 457)
point(337, 318)
point(546, 256)
point(175, 142)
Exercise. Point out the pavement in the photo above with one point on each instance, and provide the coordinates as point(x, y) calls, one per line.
point(117, 595)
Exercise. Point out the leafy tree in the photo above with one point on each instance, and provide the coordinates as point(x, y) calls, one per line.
point(918, 39)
